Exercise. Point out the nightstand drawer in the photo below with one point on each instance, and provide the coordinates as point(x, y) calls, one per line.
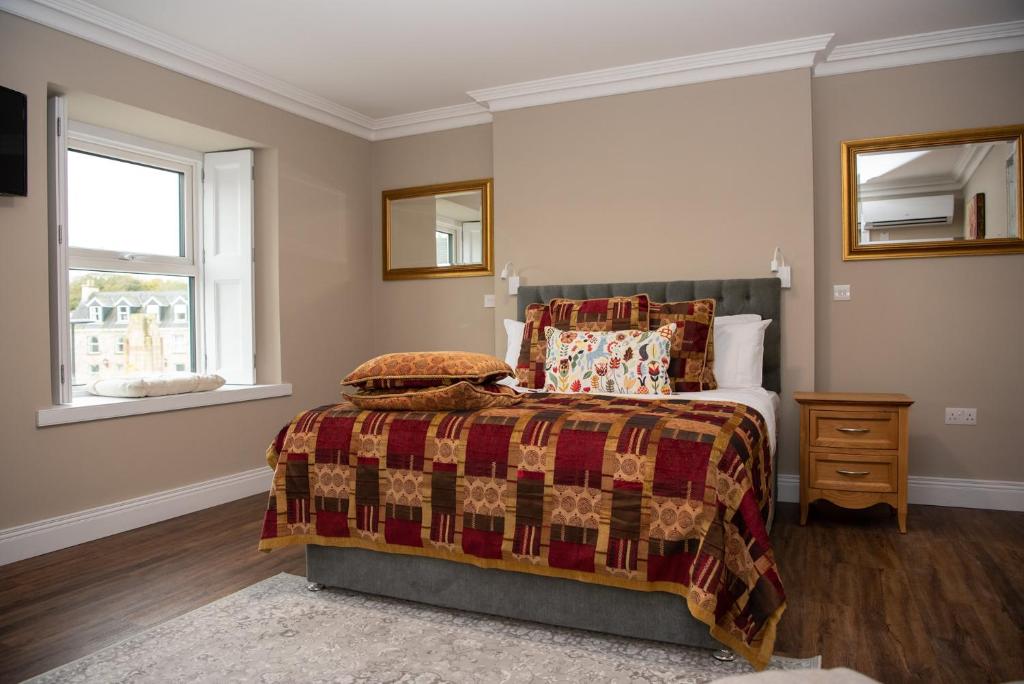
point(854, 429)
point(852, 472)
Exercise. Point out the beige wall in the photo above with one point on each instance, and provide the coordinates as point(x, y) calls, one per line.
point(699, 181)
point(990, 178)
point(442, 313)
point(947, 331)
point(312, 239)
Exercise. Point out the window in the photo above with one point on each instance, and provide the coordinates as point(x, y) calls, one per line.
point(179, 366)
point(127, 226)
point(445, 247)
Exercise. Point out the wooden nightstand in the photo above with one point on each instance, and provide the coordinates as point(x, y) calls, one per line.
point(853, 450)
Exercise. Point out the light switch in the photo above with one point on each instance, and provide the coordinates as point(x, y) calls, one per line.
point(488, 301)
point(841, 293)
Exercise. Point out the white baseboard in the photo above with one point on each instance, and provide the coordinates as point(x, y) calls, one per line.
point(44, 536)
point(996, 495)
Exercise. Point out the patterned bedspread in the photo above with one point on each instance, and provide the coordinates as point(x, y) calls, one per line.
point(667, 495)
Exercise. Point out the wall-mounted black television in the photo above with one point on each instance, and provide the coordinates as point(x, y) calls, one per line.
point(13, 143)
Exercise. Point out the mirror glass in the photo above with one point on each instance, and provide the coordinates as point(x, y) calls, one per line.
point(438, 231)
point(943, 193)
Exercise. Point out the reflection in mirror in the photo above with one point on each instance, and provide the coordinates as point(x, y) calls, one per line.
point(441, 230)
point(933, 194)
point(437, 231)
point(944, 193)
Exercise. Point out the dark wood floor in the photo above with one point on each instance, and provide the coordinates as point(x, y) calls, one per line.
point(944, 603)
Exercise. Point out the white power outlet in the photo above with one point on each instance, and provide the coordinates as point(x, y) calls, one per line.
point(961, 416)
point(488, 301)
point(840, 293)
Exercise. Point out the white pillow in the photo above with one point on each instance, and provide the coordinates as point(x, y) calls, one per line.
point(154, 385)
point(739, 353)
point(735, 318)
point(514, 331)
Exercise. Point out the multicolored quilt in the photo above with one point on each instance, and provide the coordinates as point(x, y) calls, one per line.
point(662, 495)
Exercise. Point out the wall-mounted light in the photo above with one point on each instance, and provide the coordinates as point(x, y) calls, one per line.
point(509, 273)
point(780, 268)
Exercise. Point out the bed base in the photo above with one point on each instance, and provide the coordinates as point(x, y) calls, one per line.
point(657, 616)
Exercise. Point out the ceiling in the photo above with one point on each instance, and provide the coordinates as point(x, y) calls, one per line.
point(389, 57)
point(383, 68)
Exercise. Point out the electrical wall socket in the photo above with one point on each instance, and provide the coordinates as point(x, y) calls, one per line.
point(961, 416)
point(488, 301)
point(840, 293)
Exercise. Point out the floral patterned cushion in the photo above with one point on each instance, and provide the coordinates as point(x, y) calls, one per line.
point(608, 313)
point(693, 347)
point(462, 396)
point(427, 369)
point(620, 362)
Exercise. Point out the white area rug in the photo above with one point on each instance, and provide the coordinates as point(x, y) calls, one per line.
point(277, 631)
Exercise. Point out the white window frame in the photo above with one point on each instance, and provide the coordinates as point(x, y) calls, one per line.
point(181, 309)
point(121, 146)
point(120, 343)
point(123, 310)
point(95, 313)
point(89, 345)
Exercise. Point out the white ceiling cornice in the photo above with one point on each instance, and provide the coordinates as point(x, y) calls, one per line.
point(110, 30)
point(937, 46)
point(430, 120)
point(708, 66)
point(100, 26)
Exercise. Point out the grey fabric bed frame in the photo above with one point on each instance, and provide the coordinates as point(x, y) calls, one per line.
point(657, 616)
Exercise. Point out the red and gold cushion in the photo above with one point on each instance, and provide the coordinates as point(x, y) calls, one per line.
point(427, 369)
point(693, 352)
point(601, 315)
point(595, 315)
point(462, 396)
point(534, 350)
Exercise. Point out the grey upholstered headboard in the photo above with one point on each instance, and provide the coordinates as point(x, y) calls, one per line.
point(752, 295)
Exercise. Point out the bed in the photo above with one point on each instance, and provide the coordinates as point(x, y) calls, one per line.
point(405, 548)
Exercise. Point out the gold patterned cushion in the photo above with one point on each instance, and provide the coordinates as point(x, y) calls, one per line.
point(427, 369)
point(693, 347)
point(462, 396)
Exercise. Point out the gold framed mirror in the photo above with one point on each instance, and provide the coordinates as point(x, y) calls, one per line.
point(934, 194)
point(438, 231)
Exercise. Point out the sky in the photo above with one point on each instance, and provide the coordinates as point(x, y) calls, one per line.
point(125, 207)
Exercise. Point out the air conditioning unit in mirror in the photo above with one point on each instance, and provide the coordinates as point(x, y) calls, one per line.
point(932, 210)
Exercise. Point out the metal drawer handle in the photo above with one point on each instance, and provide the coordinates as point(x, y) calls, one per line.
point(855, 430)
point(853, 473)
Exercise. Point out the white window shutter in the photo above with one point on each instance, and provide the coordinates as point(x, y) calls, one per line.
point(57, 170)
point(229, 326)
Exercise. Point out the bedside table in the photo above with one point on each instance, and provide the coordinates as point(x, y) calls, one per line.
point(853, 450)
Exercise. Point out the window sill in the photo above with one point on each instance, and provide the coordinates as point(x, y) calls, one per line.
point(100, 408)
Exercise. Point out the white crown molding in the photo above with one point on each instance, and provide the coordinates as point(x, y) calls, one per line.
point(100, 26)
point(430, 120)
point(52, 534)
point(708, 66)
point(993, 495)
point(936, 46)
point(110, 30)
